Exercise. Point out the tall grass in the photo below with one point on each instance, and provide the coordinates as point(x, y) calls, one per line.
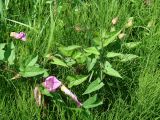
point(68, 22)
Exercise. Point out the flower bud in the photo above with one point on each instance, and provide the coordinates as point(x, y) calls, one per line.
point(114, 20)
point(151, 24)
point(121, 36)
point(129, 23)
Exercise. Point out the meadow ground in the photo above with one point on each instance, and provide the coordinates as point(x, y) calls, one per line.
point(50, 23)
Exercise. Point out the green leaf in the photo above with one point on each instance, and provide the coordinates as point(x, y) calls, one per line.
point(131, 45)
point(91, 63)
point(113, 54)
point(77, 80)
point(46, 92)
point(82, 59)
point(97, 41)
point(92, 50)
point(2, 54)
point(2, 45)
point(72, 47)
point(12, 45)
point(70, 61)
point(95, 85)
point(107, 64)
point(67, 51)
point(1, 9)
point(128, 57)
point(111, 39)
point(33, 61)
point(21, 68)
point(71, 78)
point(9, 54)
point(112, 72)
point(90, 100)
point(93, 105)
point(59, 62)
point(123, 57)
point(31, 71)
point(76, 55)
point(11, 58)
point(46, 74)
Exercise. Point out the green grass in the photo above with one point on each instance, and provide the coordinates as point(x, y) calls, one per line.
point(136, 97)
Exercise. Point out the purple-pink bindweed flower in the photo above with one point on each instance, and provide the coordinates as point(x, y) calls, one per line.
point(20, 35)
point(51, 83)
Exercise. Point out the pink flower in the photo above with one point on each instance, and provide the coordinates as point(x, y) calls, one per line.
point(52, 83)
point(20, 36)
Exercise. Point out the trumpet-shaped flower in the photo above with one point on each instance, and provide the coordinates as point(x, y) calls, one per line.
point(52, 83)
point(20, 36)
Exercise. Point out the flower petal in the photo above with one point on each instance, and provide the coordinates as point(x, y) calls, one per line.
point(52, 83)
point(21, 35)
